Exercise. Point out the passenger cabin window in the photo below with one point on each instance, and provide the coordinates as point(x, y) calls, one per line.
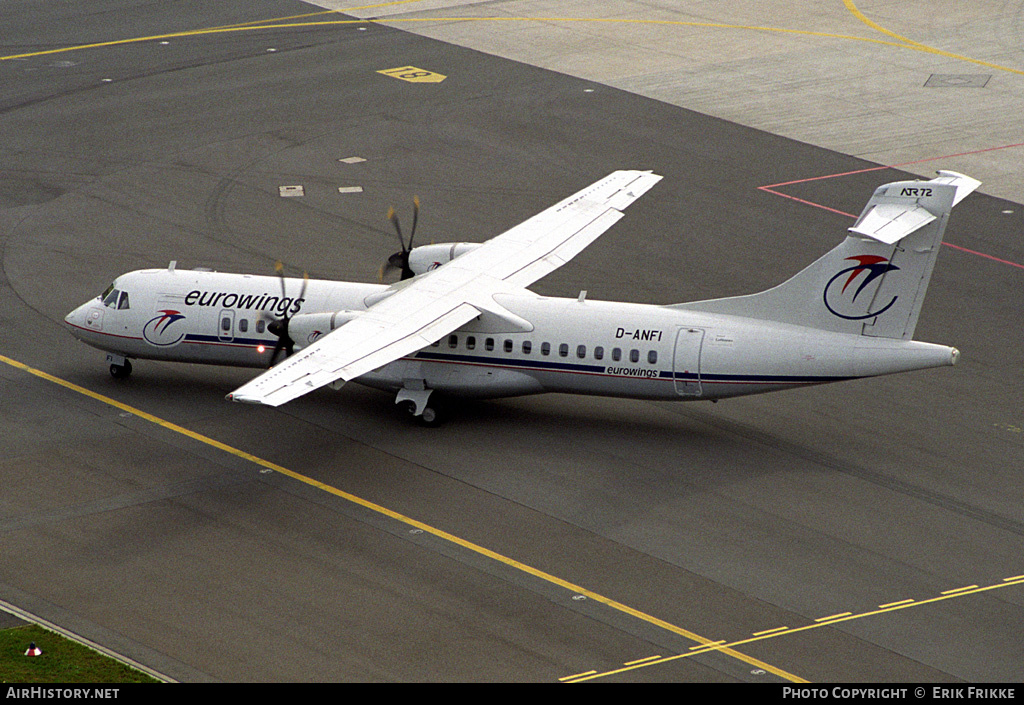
point(261, 326)
point(243, 325)
point(489, 344)
point(634, 355)
point(616, 354)
point(652, 356)
point(471, 342)
point(225, 323)
point(453, 341)
point(545, 348)
point(581, 351)
point(599, 353)
point(563, 350)
point(508, 345)
point(527, 347)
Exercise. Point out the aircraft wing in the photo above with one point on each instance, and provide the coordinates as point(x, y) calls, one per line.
point(426, 308)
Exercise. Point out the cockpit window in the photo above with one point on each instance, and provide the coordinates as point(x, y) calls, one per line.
point(110, 296)
point(123, 302)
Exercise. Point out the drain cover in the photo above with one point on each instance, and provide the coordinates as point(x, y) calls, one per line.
point(957, 80)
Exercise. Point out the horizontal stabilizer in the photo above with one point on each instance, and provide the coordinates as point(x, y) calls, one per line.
point(965, 185)
point(896, 210)
point(890, 222)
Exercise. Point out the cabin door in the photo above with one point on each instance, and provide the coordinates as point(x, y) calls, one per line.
point(686, 361)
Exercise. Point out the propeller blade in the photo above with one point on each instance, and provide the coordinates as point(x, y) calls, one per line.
point(400, 260)
point(415, 217)
point(278, 347)
point(393, 217)
point(279, 268)
point(279, 326)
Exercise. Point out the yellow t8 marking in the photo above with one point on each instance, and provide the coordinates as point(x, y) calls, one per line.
point(414, 75)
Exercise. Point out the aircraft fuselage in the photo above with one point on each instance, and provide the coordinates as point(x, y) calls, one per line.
point(545, 345)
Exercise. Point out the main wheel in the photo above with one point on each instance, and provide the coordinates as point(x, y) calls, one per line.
point(430, 417)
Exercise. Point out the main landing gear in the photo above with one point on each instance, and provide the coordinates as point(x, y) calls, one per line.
point(414, 399)
point(120, 367)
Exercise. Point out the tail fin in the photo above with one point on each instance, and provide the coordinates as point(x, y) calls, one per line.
point(874, 282)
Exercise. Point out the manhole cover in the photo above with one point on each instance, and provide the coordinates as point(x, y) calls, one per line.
point(957, 80)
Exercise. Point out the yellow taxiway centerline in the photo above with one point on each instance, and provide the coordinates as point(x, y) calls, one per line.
point(439, 533)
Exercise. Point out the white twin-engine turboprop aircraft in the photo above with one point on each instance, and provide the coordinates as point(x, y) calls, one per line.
point(461, 323)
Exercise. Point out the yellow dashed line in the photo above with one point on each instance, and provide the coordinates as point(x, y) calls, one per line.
point(771, 631)
point(578, 675)
point(962, 589)
point(835, 616)
point(823, 622)
point(641, 660)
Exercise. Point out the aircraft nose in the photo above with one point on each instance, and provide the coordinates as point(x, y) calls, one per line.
point(74, 318)
point(77, 319)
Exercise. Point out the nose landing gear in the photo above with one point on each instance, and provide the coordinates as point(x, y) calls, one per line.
point(120, 367)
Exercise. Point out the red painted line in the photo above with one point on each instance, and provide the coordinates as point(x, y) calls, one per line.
point(805, 202)
point(770, 188)
point(892, 166)
point(982, 254)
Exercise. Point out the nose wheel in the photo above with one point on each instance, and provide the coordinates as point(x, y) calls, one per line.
point(120, 367)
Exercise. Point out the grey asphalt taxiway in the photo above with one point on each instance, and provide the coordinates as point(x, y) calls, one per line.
point(867, 531)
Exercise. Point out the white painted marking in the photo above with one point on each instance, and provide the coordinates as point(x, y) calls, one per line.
point(291, 191)
point(351, 160)
point(350, 189)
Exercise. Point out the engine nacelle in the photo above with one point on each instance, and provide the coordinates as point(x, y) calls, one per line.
point(423, 259)
point(306, 328)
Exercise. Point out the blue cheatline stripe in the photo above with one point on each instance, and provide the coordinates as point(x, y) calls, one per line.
point(509, 362)
point(791, 379)
point(196, 338)
point(601, 369)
